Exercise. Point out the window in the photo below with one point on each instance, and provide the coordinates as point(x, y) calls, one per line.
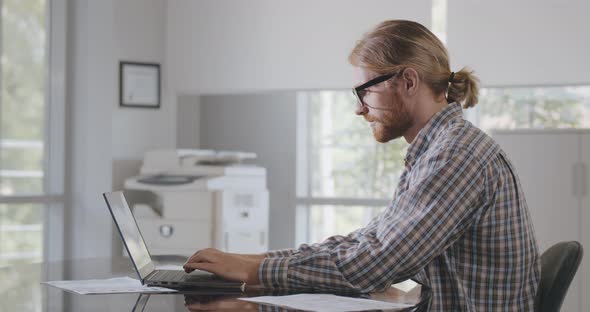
point(532, 107)
point(31, 139)
point(345, 178)
point(22, 126)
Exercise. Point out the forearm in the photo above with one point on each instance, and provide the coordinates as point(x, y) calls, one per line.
point(287, 274)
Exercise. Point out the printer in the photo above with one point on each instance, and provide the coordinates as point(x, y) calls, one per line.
point(186, 200)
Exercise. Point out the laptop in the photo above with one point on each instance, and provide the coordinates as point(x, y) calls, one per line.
point(148, 274)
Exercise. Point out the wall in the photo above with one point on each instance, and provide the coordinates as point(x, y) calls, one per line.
point(100, 34)
point(91, 94)
point(523, 42)
point(264, 124)
point(140, 29)
point(229, 46)
point(187, 121)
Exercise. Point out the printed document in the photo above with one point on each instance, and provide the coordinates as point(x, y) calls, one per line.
point(117, 285)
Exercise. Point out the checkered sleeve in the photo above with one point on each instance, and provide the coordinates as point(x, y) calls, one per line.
point(420, 224)
point(280, 253)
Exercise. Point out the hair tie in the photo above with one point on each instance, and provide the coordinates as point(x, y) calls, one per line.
point(451, 77)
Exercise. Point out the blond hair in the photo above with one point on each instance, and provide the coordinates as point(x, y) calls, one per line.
point(397, 44)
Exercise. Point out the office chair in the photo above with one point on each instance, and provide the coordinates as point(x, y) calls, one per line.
point(559, 264)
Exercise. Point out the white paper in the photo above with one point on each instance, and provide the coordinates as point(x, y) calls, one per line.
point(326, 303)
point(140, 84)
point(117, 285)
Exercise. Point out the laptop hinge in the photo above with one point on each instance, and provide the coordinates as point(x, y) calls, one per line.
point(144, 280)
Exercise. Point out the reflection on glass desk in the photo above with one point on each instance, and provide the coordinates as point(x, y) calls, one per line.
point(20, 291)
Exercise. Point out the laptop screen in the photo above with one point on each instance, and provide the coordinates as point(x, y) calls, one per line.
point(130, 234)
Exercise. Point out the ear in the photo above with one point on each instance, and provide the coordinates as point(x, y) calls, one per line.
point(411, 80)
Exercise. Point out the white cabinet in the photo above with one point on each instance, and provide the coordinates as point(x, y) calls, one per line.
point(551, 165)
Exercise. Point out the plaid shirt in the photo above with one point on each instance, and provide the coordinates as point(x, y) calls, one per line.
point(458, 224)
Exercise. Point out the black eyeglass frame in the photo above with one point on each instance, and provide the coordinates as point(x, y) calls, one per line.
point(368, 84)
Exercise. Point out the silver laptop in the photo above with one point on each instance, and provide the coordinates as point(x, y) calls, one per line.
point(142, 261)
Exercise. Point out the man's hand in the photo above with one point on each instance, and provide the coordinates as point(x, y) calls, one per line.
point(235, 267)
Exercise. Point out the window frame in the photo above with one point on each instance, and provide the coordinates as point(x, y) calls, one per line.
point(53, 198)
point(304, 199)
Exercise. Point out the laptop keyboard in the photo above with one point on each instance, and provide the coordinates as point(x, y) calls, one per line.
point(180, 276)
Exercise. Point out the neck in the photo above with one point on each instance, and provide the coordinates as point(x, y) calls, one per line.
point(422, 111)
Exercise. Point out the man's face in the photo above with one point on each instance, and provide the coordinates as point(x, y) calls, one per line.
point(384, 106)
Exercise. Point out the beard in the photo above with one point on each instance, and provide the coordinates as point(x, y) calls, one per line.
point(384, 134)
point(391, 124)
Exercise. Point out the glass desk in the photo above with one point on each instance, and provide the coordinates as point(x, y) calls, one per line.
point(20, 291)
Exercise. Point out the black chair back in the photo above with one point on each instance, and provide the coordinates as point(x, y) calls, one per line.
point(558, 267)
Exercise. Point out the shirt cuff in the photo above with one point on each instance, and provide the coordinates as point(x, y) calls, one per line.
point(280, 253)
point(272, 273)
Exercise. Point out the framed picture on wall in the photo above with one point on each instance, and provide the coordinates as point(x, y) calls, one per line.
point(139, 84)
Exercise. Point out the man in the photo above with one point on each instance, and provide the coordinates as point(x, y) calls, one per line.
point(458, 222)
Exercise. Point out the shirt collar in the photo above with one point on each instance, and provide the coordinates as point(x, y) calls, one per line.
point(431, 130)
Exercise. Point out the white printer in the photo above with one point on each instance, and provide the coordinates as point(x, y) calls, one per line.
point(186, 200)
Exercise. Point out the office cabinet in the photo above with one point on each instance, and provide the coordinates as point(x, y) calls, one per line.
point(551, 165)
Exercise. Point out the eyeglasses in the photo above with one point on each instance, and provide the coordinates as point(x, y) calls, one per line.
point(360, 91)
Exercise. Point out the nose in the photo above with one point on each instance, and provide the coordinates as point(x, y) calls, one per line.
point(361, 110)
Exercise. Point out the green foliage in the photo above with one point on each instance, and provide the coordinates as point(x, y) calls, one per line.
point(22, 104)
point(346, 161)
point(20, 231)
point(549, 107)
point(22, 101)
point(23, 69)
